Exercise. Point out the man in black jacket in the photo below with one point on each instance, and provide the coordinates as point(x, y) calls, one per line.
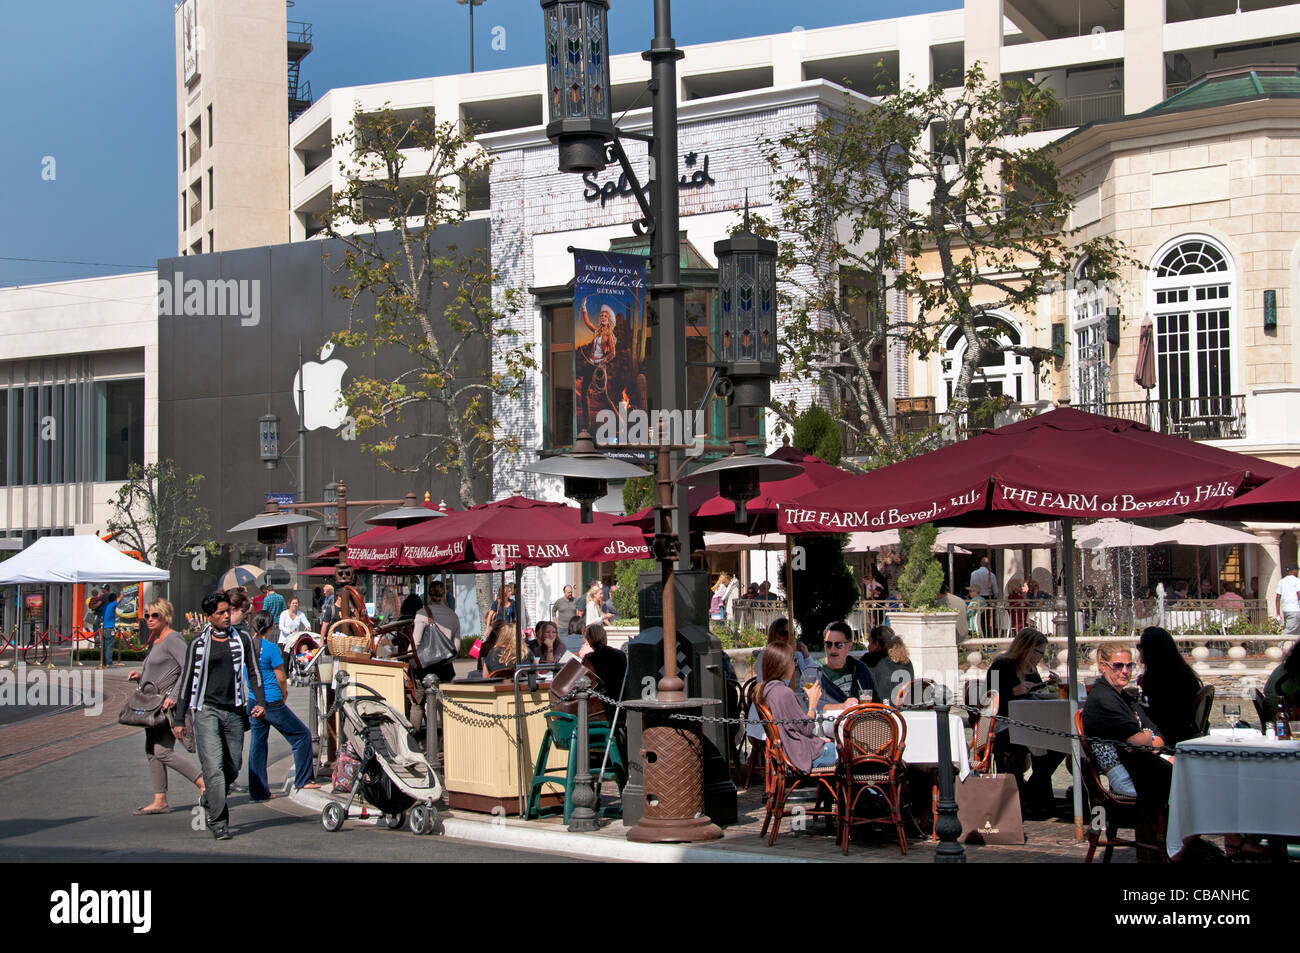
point(845, 680)
point(215, 683)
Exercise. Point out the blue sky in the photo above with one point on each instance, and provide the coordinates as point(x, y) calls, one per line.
point(90, 85)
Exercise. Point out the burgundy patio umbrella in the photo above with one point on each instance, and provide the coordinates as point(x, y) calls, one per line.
point(1064, 463)
point(519, 531)
point(1276, 500)
point(1144, 374)
point(713, 513)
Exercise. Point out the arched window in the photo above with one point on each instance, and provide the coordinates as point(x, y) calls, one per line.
point(1191, 298)
point(1091, 360)
point(1000, 373)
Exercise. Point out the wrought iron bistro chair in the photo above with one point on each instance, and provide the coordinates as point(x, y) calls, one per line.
point(1118, 810)
point(1201, 713)
point(871, 739)
point(756, 751)
point(981, 745)
point(919, 691)
point(782, 778)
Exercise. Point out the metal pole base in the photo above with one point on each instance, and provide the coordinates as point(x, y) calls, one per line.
point(672, 752)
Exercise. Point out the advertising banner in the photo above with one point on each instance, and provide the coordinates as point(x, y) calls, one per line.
point(609, 337)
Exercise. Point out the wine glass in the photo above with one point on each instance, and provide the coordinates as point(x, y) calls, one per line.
point(1233, 712)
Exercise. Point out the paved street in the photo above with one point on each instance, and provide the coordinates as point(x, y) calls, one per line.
point(80, 778)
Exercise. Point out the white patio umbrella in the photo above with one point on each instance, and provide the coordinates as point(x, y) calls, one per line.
point(1194, 532)
point(1113, 534)
point(739, 543)
point(996, 537)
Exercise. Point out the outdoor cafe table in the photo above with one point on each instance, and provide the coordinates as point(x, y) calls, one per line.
point(1233, 795)
point(921, 747)
point(1053, 713)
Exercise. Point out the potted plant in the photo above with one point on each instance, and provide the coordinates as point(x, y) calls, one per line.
point(927, 626)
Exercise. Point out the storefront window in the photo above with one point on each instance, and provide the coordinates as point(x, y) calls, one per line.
point(43, 432)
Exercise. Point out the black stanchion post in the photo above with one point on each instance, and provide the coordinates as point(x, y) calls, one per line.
point(946, 826)
point(431, 747)
point(584, 816)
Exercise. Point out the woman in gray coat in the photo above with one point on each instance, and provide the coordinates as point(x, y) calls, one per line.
point(162, 666)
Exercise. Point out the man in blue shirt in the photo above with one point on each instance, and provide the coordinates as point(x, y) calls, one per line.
point(274, 605)
point(278, 715)
point(108, 637)
point(845, 681)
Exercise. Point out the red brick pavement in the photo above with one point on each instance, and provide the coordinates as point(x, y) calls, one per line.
point(36, 741)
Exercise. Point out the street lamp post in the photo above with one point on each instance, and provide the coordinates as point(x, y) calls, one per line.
point(581, 125)
point(472, 4)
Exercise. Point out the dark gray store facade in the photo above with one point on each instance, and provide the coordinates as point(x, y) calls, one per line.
point(219, 374)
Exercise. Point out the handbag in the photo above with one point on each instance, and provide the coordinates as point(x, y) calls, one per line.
point(143, 708)
point(988, 807)
point(436, 647)
point(187, 731)
point(476, 648)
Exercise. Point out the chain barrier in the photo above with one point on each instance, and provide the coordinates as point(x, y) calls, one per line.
point(477, 719)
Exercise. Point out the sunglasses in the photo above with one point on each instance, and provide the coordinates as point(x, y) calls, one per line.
point(1122, 665)
point(153, 615)
point(835, 645)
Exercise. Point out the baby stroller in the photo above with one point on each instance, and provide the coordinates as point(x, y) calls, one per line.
point(394, 776)
point(302, 671)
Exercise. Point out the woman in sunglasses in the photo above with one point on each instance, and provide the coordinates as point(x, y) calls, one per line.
point(162, 667)
point(1113, 713)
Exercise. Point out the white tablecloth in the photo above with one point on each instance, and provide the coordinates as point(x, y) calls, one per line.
point(1046, 713)
point(922, 743)
point(1212, 795)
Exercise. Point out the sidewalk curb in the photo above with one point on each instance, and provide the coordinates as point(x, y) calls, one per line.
point(594, 846)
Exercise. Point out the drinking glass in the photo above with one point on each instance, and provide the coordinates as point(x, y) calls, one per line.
point(1233, 712)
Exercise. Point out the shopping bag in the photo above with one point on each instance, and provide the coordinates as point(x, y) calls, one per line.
point(988, 807)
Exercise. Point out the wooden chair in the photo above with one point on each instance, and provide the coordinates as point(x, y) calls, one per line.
point(1201, 713)
point(981, 744)
point(757, 751)
point(781, 778)
point(1119, 810)
point(919, 691)
point(871, 739)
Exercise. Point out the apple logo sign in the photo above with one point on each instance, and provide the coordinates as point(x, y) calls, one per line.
point(322, 392)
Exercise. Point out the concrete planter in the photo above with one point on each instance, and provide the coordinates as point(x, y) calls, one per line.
point(931, 640)
point(742, 660)
point(619, 635)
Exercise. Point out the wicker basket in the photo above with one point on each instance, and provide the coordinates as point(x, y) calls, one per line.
point(351, 646)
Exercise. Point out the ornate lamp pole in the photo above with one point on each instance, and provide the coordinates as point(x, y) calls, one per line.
point(581, 124)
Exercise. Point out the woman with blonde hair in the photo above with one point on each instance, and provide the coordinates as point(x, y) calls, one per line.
point(162, 667)
point(894, 668)
point(503, 655)
point(504, 609)
point(595, 613)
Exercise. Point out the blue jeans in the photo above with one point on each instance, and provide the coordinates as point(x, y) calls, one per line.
point(107, 640)
point(826, 758)
point(219, 737)
point(277, 716)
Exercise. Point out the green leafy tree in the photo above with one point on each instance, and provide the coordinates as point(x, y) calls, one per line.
point(817, 429)
point(406, 179)
point(625, 596)
point(864, 274)
point(156, 513)
point(922, 575)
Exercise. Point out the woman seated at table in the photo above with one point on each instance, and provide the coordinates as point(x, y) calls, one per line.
point(502, 655)
point(1113, 713)
point(1169, 686)
point(778, 631)
point(894, 669)
point(489, 643)
point(1014, 675)
point(804, 749)
point(548, 648)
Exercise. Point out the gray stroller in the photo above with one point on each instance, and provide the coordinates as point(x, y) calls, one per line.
point(394, 776)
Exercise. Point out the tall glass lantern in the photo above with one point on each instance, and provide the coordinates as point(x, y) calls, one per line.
point(747, 298)
point(577, 81)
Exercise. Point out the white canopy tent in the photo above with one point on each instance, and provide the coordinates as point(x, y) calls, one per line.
point(70, 559)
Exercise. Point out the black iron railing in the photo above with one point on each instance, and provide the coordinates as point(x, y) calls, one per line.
point(1197, 418)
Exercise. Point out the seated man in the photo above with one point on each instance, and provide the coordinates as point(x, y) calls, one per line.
point(845, 681)
point(1035, 593)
